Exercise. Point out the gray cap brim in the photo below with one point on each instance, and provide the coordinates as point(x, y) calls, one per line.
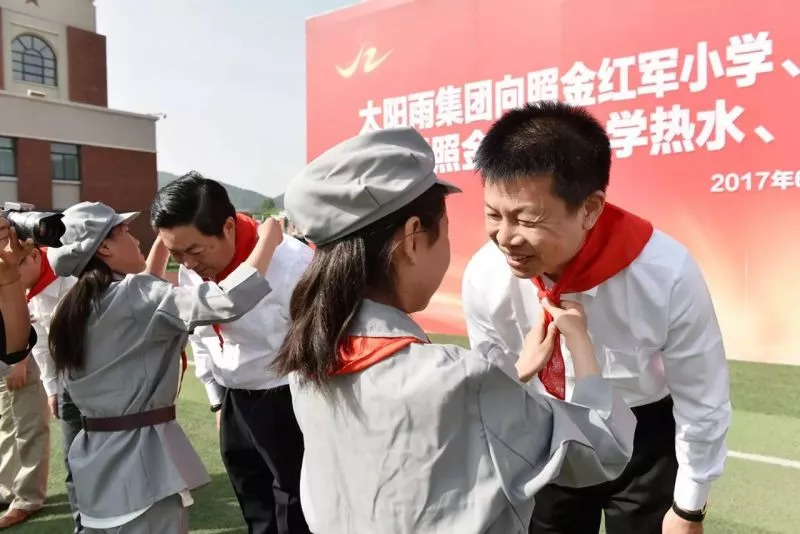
point(448, 186)
point(121, 218)
point(124, 218)
point(87, 225)
point(360, 181)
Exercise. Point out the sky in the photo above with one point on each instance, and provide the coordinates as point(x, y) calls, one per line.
point(228, 74)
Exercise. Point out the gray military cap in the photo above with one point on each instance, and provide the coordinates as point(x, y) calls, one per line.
point(87, 225)
point(360, 181)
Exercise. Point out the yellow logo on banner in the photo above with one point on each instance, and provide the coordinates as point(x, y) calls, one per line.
point(369, 62)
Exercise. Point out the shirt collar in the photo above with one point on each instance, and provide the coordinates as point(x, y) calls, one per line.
point(592, 292)
point(53, 290)
point(549, 283)
point(380, 320)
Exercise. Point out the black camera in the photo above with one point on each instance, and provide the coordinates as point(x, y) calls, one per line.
point(44, 228)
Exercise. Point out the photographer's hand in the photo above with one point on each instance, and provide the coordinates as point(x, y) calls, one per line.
point(5, 232)
point(12, 252)
point(13, 304)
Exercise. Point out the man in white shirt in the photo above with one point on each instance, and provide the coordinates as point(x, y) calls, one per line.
point(261, 443)
point(545, 169)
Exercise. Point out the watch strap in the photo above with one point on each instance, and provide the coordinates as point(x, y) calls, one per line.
point(696, 516)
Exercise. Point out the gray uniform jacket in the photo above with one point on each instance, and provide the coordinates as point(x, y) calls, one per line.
point(134, 339)
point(440, 439)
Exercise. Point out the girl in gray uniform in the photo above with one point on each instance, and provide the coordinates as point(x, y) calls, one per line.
point(117, 337)
point(403, 435)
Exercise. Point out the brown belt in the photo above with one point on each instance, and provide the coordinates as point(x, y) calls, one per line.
point(129, 422)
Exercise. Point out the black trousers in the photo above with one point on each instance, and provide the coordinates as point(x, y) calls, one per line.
point(262, 449)
point(70, 419)
point(636, 502)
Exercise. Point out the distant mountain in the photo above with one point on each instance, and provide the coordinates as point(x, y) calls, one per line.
point(243, 199)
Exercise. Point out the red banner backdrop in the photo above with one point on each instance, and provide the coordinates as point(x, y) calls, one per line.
point(699, 99)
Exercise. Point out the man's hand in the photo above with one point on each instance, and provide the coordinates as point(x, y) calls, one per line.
point(52, 401)
point(18, 376)
point(675, 525)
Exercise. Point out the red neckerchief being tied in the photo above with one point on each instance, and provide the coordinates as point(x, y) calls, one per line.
point(357, 353)
point(246, 238)
point(616, 240)
point(46, 276)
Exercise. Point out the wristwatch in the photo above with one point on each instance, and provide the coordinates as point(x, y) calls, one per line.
point(216, 408)
point(696, 516)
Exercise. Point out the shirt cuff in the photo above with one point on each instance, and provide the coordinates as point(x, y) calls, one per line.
point(50, 386)
point(690, 495)
point(593, 392)
point(215, 393)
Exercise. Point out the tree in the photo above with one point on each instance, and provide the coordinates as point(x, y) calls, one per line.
point(268, 208)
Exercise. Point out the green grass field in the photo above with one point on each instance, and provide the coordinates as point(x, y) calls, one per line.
point(751, 498)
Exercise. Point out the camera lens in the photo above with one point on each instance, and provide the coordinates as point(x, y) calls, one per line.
point(50, 230)
point(45, 229)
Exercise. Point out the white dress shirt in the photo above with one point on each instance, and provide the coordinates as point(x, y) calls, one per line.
point(41, 308)
point(654, 332)
point(251, 342)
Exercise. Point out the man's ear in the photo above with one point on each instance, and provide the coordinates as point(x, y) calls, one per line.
point(593, 208)
point(229, 228)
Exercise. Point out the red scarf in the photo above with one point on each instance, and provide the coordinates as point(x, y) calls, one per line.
point(246, 238)
point(46, 276)
point(357, 353)
point(616, 240)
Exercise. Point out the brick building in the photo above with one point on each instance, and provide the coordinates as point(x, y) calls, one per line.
point(59, 141)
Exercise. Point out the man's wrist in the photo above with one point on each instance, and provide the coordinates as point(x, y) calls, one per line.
point(215, 393)
point(50, 387)
point(693, 516)
point(690, 495)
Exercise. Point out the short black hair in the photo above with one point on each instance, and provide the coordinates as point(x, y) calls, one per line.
point(548, 138)
point(195, 200)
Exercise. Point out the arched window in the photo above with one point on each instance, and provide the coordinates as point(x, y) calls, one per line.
point(33, 60)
